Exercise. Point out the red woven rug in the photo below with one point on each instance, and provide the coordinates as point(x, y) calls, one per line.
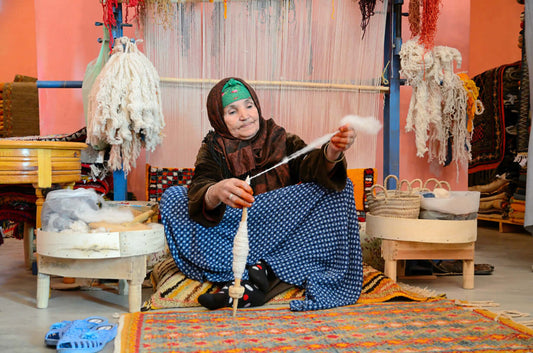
point(438, 326)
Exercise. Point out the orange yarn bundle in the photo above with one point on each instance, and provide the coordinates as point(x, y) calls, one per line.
point(430, 15)
point(424, 25)
point(472, 93)
point(414, 17)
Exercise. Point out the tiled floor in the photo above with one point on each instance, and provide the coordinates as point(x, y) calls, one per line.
point(23, 326)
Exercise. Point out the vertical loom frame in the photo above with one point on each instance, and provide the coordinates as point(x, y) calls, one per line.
point(391, 109)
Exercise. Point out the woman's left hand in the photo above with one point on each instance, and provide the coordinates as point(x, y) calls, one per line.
point(341, 141)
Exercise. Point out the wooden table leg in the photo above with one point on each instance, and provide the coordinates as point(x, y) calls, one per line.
point(390, 269)
point(468, 274)
point(28, 244)
point(43, 290)
point(135, 284)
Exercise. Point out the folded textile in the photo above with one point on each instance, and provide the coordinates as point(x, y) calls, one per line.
point(494, 211)
point(516, 214)
point(498, 204)
point(517, 207)
point(517, 201)
point(500, 196)
point(519, 197)
point(491, 187)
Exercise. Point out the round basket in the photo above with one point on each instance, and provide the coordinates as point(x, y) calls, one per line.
point(394, 203)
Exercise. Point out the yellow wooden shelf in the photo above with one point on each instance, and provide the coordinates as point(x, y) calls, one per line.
point(504, 225)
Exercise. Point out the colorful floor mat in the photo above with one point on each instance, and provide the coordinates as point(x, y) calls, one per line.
point(438, 326)
point(174, 290)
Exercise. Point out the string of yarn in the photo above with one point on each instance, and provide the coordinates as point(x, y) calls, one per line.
point(124, 108)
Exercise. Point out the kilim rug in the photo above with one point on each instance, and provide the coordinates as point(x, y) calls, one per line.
point(173, 290)
point(438, 326)
point(489, 138)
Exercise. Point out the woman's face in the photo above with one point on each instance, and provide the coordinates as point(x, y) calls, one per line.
point(242, 119)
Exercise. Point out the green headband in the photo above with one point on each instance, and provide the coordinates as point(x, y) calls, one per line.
point(233, 91)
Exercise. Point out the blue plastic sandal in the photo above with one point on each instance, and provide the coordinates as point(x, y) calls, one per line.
point(58, 329)
point(55, 332)
point(91, 341)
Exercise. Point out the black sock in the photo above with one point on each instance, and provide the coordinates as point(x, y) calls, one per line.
point(259, 275)
point(252, 297)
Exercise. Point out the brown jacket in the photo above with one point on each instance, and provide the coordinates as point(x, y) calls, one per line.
point(304, 169)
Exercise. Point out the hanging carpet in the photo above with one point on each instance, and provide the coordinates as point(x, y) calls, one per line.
point(499, 93)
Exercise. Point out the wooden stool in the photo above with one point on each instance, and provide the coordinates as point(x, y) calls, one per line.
point(111, 255)
point(425, 239)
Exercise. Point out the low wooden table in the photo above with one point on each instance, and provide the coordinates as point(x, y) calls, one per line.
point(110, 255)
point(40, 163)
point(425, 239)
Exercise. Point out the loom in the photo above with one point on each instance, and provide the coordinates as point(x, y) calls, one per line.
point(389, 77)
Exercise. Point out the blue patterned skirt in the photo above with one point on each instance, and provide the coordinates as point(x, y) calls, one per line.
point(308, 234)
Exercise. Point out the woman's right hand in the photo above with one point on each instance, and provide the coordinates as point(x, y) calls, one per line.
point(233, 192)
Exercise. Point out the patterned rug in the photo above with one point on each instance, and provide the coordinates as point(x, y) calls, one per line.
point(439, 326)
point(499, 92)
point(174, 290)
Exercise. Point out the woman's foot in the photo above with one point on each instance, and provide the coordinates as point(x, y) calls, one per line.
point(260, 274)
point(252, 297)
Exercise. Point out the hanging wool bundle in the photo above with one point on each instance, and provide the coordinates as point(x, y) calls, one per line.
point(454, 105)
point(414, 17)
point(438, 107)
point(125, 106)
point(424, 108)
point(367, 8)
point(424, 26)
point(473, 105)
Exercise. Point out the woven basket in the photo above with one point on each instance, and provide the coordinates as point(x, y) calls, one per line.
point(394, 203)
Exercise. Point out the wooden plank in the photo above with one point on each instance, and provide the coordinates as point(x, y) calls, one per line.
point(100, 245)
point(113, 268)
point(505, 225)
point(78, 245)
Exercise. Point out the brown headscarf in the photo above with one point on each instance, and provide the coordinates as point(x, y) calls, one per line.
point(249, 157)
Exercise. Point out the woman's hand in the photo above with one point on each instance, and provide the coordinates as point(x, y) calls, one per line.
point(233, 192)
point(340, 142)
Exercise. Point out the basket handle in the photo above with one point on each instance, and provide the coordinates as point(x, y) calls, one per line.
point(371, 191)
point(438, 184)
point(385, 182)
point(405, 181)
point(419, 182)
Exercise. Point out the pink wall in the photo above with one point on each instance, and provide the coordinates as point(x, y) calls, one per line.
point(494, 34)
point(17, 30)
point(56, 39)
point(453, 23)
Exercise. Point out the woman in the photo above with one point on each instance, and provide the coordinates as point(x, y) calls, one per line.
point(302, 223)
